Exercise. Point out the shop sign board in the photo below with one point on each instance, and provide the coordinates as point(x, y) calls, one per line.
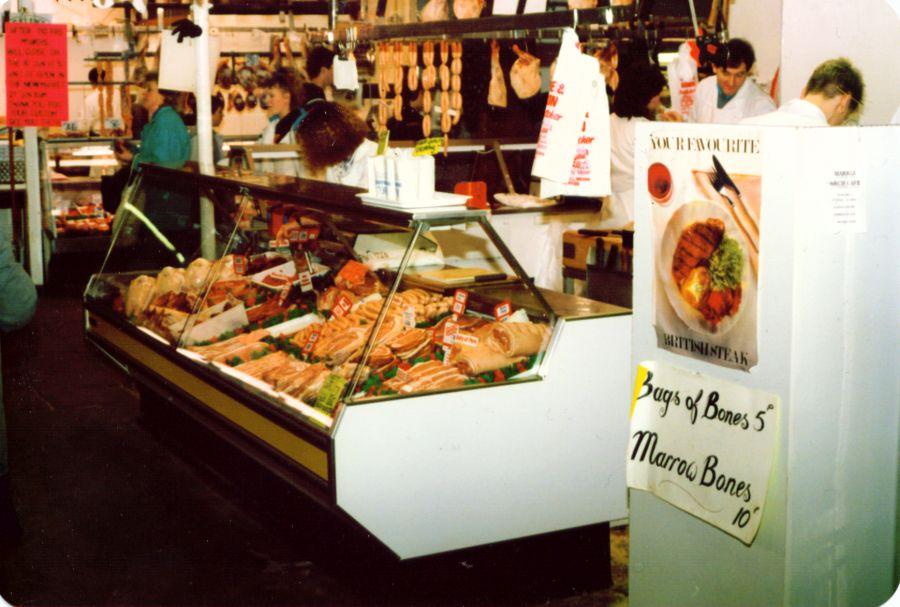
point(37, 90)
point(703, 186)
point(704, 445)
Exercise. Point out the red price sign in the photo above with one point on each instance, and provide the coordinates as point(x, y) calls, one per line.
point(460, 299)
point(240, 264)
point(353, 272)
point(313, 338)
point(341, 306)
point(464, 339)
point(451, 329)
point(37, 79)
point(502, 310)
point(293, 235)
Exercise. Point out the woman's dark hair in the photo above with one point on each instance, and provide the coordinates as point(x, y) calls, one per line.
point(170, 98)
point(638, 84)
point(329, 134)
point(288, 79)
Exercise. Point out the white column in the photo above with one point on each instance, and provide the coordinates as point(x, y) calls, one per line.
point(204, 125)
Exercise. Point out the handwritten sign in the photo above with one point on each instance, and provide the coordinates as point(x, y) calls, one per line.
point(37, 92)
point(704, 445)
point(429, 146)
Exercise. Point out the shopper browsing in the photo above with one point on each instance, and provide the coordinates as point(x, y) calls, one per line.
point(730, 95)
point(165, 140)
point(17, 302)
point(333, 144)
point(320, 71)
point(833, 93)
point(284, 97)
point(637, 99)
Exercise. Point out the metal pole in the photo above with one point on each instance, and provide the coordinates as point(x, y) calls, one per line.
point(203, 92)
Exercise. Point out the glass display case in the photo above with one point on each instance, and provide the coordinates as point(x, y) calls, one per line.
point(339, 342)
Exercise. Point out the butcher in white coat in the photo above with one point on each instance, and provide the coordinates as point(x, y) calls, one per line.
point(833, 93)
point(730, 95)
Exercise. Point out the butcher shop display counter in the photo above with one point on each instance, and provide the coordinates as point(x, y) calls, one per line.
point(439, 400)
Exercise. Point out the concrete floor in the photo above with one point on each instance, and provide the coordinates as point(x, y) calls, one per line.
point(117, 512)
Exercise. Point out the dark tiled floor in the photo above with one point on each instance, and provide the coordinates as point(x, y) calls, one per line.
point(117, 512)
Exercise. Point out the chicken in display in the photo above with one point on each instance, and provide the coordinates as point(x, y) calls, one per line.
point(525, 74)
point(497, 86)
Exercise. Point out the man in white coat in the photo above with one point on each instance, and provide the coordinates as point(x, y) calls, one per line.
point(730, 95)
point(833, 93)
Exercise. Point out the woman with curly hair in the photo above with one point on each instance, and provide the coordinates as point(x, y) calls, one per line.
point(335, 148)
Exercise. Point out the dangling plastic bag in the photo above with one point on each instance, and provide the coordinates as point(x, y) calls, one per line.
point(682, 77)
point(584, 168)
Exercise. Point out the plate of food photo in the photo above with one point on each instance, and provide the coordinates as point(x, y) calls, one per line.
point(704, 267)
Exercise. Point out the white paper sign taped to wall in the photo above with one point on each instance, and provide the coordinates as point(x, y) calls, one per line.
point(178, 62)
point(704, 445)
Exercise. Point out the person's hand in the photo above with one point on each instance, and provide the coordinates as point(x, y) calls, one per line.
point(670, 116)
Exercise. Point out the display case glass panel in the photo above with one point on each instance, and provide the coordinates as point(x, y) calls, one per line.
point(316, 302)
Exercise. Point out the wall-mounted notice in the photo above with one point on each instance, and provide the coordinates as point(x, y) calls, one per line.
point(704, 445)
point(37, 92)
point(703, 185)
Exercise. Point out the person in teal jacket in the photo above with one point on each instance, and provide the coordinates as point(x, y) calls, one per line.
point(165, 141)
point(17, 302)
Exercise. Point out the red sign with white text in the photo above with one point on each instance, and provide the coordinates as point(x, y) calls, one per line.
point(37, 88)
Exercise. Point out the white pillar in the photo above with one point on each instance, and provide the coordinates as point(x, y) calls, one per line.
point(204, 125)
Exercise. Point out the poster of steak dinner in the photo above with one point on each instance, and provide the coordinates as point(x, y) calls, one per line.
point(703, 183)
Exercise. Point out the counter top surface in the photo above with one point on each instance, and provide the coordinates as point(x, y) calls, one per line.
point(575, 205)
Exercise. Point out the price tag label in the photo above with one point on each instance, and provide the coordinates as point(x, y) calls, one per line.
point(451, 329)
point(341, 306)
point(239, 262)
point(402, 375)
point(284, 294)
point(353, 272)
point(460, 299)
point(311, 342)
point(409, 317)
point(331, 392)
point(306, 282)
point(429, 146)
point(293, 235)
point(464, 339)
point(446, 360)
point(279, 244)
point(502, 310)
point(310, 233)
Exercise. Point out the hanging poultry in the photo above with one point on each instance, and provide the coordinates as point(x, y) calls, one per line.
point(525, 74)
point(468, 9)
point(435, 10)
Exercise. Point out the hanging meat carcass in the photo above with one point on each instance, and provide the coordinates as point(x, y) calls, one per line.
point(435, 10)
point(525, 74)
point(497, 86)
point(468, 9)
